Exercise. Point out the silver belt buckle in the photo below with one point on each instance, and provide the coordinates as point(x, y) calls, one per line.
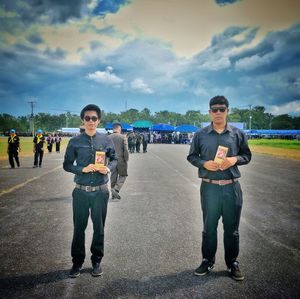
point(88, 188)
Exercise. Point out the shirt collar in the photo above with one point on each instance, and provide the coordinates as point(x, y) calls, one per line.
point(88, 136)
point(227, 128)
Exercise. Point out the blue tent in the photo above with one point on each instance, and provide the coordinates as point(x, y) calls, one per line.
point(186, 129)
point(163, 127)
point(125, 127)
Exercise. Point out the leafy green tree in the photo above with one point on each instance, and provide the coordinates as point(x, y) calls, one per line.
point(146, 114)
point(283, 121)
point(193, 117)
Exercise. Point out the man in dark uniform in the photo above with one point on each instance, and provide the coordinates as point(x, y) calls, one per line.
point(57, 142)
point(145, 141)
point(131, 142)
point(221, 193)
point(50, 141)
point(91, 193)
point(118, 175)
point(13, 148)
point(138, 142)
point(38, 144)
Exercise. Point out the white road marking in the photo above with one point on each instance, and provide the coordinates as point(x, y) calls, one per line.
point(9, 190)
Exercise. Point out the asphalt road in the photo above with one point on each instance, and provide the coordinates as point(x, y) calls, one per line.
point(153, 235)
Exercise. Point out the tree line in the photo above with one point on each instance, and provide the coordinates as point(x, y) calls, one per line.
point(257, 118)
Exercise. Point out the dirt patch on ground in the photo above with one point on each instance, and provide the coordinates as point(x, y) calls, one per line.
point(279, 152)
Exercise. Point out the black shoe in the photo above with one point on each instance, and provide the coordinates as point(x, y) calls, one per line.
point(34, 166)
point(115, 194)
point(235, 271)
point(97, 271)
point(75, 271)
point(205, 267)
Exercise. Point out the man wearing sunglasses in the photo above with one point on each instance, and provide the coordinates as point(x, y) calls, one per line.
point(221, 194)
point(90, 195)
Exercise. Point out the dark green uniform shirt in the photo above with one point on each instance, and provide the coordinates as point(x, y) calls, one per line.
point(204, 147)
point(80, 153)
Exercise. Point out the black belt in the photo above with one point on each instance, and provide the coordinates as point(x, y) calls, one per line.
point(91, 188)
point(220, 182)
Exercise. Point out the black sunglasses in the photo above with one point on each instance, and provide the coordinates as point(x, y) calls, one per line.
point(215, 110)
point(93, 118)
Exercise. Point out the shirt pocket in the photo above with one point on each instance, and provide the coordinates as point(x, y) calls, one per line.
point(232, 143)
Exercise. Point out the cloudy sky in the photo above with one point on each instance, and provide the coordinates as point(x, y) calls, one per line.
point(161, 54)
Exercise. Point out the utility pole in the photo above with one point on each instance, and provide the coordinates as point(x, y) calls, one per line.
point(250, 117)
point(270, 123)
point(125, 104)
point(32, 102)
point(67, 119)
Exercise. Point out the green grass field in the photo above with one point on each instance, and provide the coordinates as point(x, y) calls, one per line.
point(277, 143)
point(26, 146)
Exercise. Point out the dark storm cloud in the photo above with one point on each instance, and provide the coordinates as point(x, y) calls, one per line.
point(266, 74)
point(35, 39)
point(45, 11)
point(279, 50)
point(58, 53)
point(225, 2)
point(109, 6)
point(226, 37)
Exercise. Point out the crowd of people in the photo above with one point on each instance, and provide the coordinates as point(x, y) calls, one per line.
point(39, 140)
point(171, 137)
point(136, 140)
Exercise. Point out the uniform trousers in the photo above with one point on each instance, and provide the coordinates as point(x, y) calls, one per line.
point(116, 180)
point(13, 154)
point(226, 202)
point(145, 143)
point(38, 157)
point(85, 204)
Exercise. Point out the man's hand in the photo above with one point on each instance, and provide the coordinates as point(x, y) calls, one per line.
point(211, 165)
point(104, 170)
point(93, 168)
point(89, 168)
point(228, 162)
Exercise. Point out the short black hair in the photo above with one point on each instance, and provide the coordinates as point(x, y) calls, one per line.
point(90, 107)
point(218, 100)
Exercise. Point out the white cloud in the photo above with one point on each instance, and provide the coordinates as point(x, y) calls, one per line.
point(213, 64)
point(106, 77)
point(288, 108)
point(139, 85)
